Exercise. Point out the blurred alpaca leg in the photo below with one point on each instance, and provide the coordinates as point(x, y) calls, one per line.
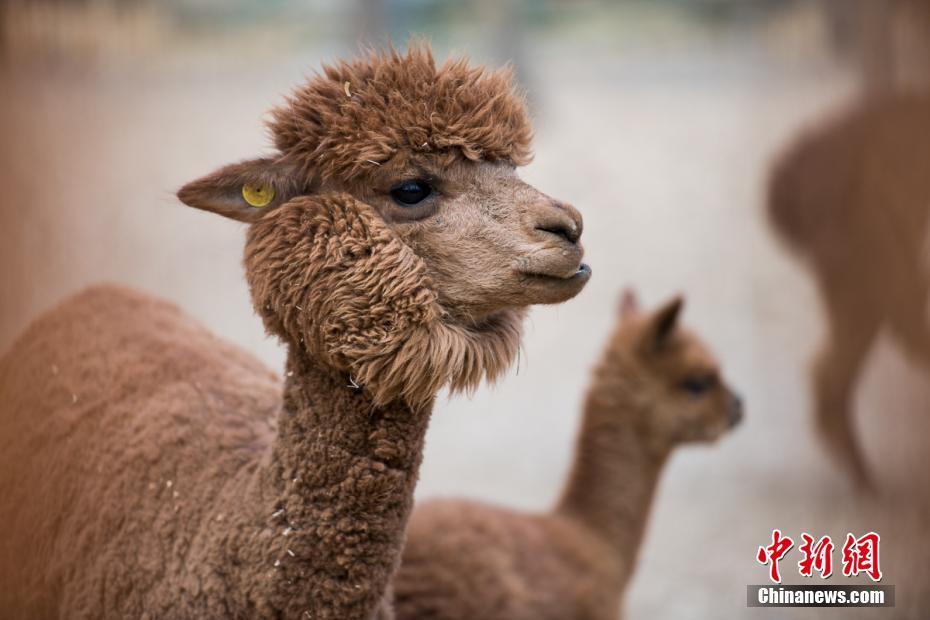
point(911, 329)
point(836, 372)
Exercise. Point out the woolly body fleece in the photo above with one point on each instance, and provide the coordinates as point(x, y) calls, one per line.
point(150, 470)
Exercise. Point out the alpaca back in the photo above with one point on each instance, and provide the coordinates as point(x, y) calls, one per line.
point(466, 560)
point(856, 191)
point(809, 189)
point(113, 404)
point(853, 199)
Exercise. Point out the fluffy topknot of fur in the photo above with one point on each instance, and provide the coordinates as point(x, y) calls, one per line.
point(391, 104)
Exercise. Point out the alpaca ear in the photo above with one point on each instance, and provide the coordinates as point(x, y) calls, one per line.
point(245, 191)
point(663, 323)
point(628, 306)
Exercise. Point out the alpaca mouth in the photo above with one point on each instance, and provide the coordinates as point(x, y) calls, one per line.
point(582, 274)
point(544, 288)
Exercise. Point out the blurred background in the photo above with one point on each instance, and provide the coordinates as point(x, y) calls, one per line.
point(659, 119)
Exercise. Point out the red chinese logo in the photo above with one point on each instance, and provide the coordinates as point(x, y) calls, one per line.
point(817, 557)
point(860, 555)
point(773, 553)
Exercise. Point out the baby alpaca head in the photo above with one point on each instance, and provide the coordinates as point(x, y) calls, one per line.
point(392, 199)
point(672, 380)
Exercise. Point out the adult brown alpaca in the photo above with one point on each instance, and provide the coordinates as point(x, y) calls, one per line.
point(853, 198)
point(147, 469)
point(656, 387)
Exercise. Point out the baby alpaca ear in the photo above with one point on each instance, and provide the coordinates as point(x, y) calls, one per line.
point(663, 323)
point(628, 307)
point(245, 191)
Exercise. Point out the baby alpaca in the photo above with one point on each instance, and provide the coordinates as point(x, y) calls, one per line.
point(149, 470)
point(853, 198)
point(656, 387)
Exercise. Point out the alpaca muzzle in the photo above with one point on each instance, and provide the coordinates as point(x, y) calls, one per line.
point(735, 410)
point(556, 250)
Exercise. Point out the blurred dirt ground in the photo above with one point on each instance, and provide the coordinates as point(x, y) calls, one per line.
point(665, 156)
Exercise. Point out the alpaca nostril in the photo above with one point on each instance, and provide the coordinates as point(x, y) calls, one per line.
point(568, 233)
point(559, 219)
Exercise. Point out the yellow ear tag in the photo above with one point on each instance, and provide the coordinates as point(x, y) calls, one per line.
point(258, 195)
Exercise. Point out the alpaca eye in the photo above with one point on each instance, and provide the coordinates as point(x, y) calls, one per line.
point(411, 192)
point(698, 386)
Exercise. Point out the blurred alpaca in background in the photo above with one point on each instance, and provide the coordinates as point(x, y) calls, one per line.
point(656, 387)
point(853, 197)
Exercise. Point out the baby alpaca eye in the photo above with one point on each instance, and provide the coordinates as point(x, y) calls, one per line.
point(410, 193)
point(698, 386)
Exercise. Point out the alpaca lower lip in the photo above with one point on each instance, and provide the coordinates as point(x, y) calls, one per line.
point(543, 288)
point(582, 273)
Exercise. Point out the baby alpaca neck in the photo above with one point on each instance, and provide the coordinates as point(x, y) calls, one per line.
point(615, 474)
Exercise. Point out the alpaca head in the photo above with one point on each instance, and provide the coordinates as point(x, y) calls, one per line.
point(672, 380)
point(393, 200)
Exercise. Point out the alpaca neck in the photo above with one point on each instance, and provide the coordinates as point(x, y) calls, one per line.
point(614, 476)
point(335, 493)
point(325, 408)
point(324, 529)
